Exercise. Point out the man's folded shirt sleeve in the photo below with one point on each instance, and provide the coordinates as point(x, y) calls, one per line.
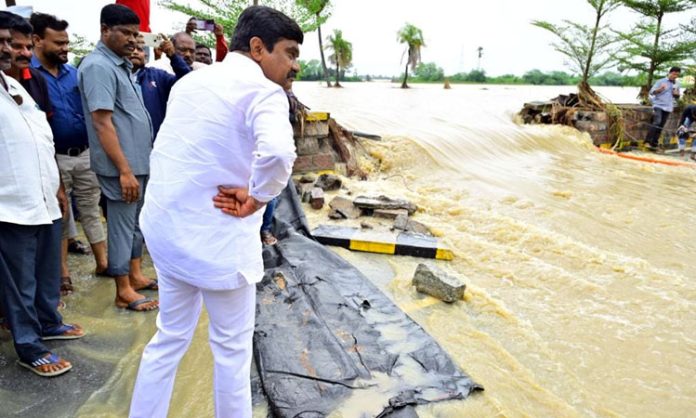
point(274, 152)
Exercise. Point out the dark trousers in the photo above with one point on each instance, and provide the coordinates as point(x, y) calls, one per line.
point(124, 239)
point(267, 223)
point(30, 284)
point(658, 122)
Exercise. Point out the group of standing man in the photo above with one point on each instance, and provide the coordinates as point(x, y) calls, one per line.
point(224, 149)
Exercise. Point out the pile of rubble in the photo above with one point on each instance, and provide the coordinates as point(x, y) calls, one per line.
point(311, 190)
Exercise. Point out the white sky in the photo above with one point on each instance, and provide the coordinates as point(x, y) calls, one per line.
point(453, 30)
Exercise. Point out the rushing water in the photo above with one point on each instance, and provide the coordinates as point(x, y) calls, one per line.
point(580, 266)
point(580, 272)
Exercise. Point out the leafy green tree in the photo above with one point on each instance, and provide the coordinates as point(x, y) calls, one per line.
point(413, 38)
point(588, 48)
point(476, 76)
point(554, 78)
point(226, 12)
point(429, 72)
point(689, 31)
point(504, 79)
point(310, 70)
point(80, 46)
point(649, 47)
point(341, 52)
point(320, 10)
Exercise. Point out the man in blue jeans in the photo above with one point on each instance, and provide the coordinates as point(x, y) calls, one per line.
point(31, 207)
point(662, 96)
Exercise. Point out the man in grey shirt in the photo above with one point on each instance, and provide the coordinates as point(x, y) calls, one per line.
point(120, 140)
point(662, 96)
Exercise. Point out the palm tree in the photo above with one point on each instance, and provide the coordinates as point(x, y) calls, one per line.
point(317, 7)
point(413, 37)
point(342, 52)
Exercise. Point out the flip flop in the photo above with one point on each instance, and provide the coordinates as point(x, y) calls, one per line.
point(45, 361)
point(152, 285)
point(62, 333)
point(103, 273)
point(133, 305)
point(79, 247)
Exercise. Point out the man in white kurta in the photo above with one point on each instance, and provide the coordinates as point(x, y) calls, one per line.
point(226, 125)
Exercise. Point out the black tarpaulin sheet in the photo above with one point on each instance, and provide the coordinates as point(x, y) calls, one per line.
point(326, 338)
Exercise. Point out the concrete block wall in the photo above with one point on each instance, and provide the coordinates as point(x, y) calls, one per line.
point(313, 144)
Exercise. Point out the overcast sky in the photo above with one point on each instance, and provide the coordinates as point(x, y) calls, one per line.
point(453, 30)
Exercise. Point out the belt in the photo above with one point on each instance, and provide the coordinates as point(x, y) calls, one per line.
point(72, 151)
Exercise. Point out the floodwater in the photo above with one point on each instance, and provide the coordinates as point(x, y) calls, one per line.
point(580, 270)
point(580, 266)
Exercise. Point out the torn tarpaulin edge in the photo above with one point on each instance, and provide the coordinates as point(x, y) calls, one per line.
point(311, 374)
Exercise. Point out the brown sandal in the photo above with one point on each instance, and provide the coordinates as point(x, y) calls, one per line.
point(268, 239)
point(66, 286)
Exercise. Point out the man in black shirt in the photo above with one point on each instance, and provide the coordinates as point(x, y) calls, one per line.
point(21, 70)
point(688, 117)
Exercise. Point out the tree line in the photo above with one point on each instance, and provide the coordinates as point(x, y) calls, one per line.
point(431, 73)
point(591, 49)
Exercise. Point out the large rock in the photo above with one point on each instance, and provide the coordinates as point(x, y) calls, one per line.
point(384, 202)
point(316, 198)
point(308, 178)
point(328, 182)
point(438, 284)
point(344, 208)
point(403, 223)
point(389, 213)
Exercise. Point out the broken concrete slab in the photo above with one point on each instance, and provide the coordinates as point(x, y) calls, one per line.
point(334, 214)
point(403, 223)
point(436, 283)
point(389, 213)
point(384, 202)
point(305, 192)
point(328, 182)
point(344, 207)
point(316, 198)
point(403, 243)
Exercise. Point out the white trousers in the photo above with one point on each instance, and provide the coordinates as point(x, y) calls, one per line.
point(231, 314)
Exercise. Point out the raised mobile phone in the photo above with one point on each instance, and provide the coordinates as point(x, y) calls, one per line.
point(205, 24)
point(152, 39)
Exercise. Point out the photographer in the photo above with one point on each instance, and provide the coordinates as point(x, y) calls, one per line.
point(156, 83)
point(194, 24)
point(662, 95)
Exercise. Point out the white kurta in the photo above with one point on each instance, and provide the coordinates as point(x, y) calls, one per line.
point(29, 178)
point(226, 124)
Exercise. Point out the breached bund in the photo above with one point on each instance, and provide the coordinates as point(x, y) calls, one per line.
point(636, 121)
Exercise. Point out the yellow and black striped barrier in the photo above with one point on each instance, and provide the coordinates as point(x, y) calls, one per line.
point(404, 243)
